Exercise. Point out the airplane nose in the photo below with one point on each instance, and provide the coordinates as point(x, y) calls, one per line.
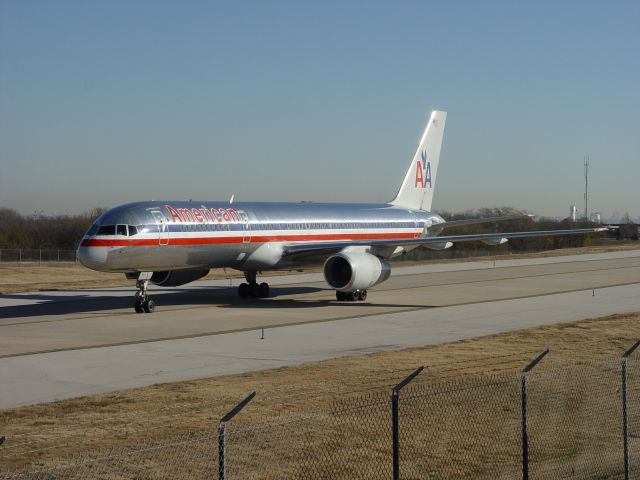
point(94, 258)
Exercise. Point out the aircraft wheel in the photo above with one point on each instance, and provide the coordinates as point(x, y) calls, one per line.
point(353, 296)
point(149, 306)
point(243, 290)
point(254, 288)
point(138, 307)
point(339, 295)
point(264, 290)
point(362, 295)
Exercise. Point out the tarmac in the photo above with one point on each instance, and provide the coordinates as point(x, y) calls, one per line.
point(56, 345)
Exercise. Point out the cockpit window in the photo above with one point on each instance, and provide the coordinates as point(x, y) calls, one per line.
point(126, 230)
point(107, 230)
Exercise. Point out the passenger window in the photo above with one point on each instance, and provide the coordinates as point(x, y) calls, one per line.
point(107, 230)
point(132, 230)
point(121, 230)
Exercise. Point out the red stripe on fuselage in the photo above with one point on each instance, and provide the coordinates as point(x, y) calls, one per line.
point(94, 242)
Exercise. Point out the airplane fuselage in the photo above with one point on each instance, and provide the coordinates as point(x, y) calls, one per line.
point(174, 235)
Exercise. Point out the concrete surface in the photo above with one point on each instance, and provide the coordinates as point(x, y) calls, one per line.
point(303, 323)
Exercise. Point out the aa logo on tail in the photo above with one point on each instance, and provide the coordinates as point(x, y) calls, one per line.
point(423, 172)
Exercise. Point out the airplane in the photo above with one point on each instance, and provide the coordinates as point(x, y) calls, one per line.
point(172, 243)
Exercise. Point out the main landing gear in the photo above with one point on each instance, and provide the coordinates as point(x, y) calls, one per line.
point(253, 289)
point(357, 296)
point(143, 303)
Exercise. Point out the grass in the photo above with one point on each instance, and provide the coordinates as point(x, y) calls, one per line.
point(464, 412)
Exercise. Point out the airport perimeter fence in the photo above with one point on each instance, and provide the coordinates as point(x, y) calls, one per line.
point(36, 255)
point(548, 421)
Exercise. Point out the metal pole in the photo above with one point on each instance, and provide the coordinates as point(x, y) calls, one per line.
point(20, 259)
point(586, 188)
point(222, 435)
point(525, 426)
point(525, 432)
point(40, 257)
point(625, 423)
point(222, 450)
point(625, 418)
point(395, 433)
point(395, 420)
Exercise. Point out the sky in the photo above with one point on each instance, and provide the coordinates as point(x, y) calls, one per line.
point(106, 102)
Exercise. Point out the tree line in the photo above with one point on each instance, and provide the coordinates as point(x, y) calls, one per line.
point(516, 245)
point(65, 231)
point(44, 231)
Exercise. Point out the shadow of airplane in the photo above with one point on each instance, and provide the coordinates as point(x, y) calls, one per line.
point(224, 297)
point(47, 304)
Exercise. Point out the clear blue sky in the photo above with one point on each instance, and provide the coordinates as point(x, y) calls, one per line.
point(104, 102)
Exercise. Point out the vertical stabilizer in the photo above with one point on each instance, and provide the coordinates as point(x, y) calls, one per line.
point(416, 192)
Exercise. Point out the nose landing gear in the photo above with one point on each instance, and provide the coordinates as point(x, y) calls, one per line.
point(253, 289)
point(357, 296)
point(143, 303)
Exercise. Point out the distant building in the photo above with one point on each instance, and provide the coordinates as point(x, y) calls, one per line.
point(596, 217)
point(573, 213)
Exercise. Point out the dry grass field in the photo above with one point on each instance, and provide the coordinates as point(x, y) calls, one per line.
point(31, 277)
point(339, 407)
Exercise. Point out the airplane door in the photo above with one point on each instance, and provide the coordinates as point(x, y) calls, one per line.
point(163, 228)
point(246, 228)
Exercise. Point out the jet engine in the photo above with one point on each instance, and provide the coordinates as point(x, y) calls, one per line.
point(351, 271)
point(175, 278)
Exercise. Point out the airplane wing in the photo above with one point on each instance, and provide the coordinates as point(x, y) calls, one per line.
point(492, 238)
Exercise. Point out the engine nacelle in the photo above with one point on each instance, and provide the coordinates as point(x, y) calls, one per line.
point(175, 278)
point(351, 271)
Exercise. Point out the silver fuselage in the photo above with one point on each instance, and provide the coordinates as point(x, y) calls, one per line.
point(170, 235)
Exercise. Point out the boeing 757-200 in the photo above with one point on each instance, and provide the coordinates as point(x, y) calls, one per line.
point(171, 243)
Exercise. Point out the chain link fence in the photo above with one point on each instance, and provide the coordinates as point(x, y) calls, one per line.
point(35, 255)
point(575, 422)
point(566, 424)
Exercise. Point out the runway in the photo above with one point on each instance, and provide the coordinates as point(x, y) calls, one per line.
point(96, 344)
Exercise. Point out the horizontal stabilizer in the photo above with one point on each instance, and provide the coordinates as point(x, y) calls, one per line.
point(477, 221)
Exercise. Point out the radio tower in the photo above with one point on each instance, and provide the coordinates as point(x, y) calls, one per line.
point(586, 188)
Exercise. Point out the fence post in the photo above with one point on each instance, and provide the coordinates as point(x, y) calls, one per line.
point(40, 257)
point(625, 418)
point(525, 430)
point(395, 421)
point(20, 259)
point(58, 255)
point(222, 451)
point(222, 435)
